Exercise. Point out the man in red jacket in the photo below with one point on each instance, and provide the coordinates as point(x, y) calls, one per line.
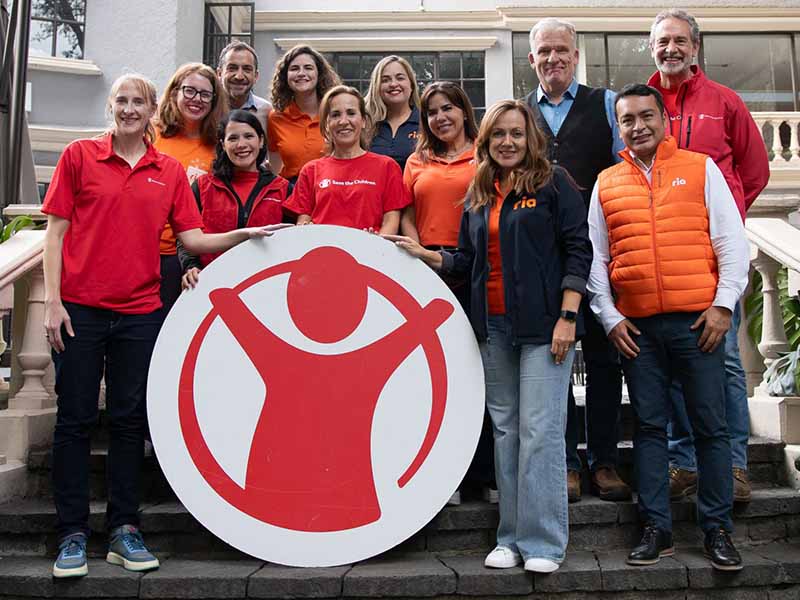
point(708, 117)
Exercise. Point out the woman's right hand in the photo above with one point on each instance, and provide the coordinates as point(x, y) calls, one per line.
point(415, 249)
point(55, 315)
point(190, 278)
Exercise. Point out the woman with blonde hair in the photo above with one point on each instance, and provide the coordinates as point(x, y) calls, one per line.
point(524, 244)
point(106, 205)
point(350, 186)
point(393, 105)
point(302, 77)
point(189, 112)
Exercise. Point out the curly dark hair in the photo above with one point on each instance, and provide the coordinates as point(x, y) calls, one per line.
point(326, 77)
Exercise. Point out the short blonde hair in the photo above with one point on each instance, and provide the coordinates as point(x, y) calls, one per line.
point(148, 91)
point(325, 109)
point(376, 107)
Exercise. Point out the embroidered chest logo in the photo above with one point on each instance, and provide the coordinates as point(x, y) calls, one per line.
point(525, 203)
point(678, 181)
point(413, 135)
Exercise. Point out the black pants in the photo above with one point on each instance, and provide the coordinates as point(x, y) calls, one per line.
point(121, 345)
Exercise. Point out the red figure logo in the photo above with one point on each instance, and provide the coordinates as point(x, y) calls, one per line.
point(310, 466)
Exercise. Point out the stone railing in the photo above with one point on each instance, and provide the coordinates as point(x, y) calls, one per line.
point(780, 133)
point(28, 420)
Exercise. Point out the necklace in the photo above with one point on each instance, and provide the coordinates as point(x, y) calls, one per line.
point(457, 153)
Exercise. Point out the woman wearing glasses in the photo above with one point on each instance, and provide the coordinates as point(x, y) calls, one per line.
point(189, 113)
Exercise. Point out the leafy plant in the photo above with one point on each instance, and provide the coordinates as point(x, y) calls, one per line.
point(13, 226)
point(790, 310)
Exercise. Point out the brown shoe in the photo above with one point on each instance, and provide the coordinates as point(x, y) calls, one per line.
point(682, 483)
point(741, 486)
point(573, 485)
point(607, 485)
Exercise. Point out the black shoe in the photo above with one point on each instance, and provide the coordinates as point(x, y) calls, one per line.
point(655, 543)
point(719, 549)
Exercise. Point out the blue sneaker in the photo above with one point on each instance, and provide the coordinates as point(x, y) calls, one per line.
point(71, 561)
point(127, 548)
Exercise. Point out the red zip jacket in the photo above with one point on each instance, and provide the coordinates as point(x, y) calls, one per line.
point(221, 211)
point(714, 120)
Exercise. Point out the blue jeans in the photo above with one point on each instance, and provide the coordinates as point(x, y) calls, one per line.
point(603, 399)
point(526, 393)
point(668, 350)
point(121, 345)
point(681, 441)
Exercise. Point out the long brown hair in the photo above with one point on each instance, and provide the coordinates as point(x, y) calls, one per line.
point(325, 109)
point(170, 120)
point(282, 95)
point(428, 143)
point(534, 171)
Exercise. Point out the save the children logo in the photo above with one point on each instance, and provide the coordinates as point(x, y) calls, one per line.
point(317, 398)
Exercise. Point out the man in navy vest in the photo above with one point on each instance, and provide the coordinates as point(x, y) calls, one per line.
point(566, 112)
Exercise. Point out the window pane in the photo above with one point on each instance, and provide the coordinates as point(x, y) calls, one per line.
point(450, 66)
point(41, 39)
point(476, 91)
point(423, 66)
point(629, 60)
point(593, 56)
point(70, 41)
point(368, 62)
point(348, 66)
point(525, 79)
point(65, 10)
point(757, 66)
point(473, 65)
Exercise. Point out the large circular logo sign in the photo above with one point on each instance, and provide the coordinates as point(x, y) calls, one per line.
point(317, 398)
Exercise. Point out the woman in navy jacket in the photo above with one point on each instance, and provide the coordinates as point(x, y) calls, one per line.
point(524, 245)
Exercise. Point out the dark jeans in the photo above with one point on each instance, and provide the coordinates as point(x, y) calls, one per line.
point(122, 345)
point(668, 349)
point(171, 273)
point(603, 399)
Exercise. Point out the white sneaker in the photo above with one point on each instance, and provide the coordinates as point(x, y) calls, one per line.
point(491, 495)
point(541, 565)
point(502, 558)
point(455, 499)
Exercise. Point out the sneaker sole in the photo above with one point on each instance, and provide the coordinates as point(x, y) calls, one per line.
point(118, 559)
point(503, 566)
point(74, 572)
point(643, 562)
point(720, 567)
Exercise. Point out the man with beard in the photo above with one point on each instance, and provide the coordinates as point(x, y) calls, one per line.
point(238, 72)
point(707, 117)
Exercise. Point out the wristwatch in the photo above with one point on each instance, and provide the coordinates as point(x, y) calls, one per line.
point(569, 315)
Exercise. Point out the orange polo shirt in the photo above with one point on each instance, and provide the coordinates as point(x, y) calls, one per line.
point(196, 157)
point(296, 137)
point(438, 188)
point(494, 286)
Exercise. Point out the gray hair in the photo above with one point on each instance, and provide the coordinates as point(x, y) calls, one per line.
point(676, 13)
point(549, 24)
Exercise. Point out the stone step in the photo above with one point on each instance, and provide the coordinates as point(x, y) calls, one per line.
point(765, 463)
point(27, 526)
point(13, 479)
point(772, 571)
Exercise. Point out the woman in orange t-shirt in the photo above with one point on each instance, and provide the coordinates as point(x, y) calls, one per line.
point(189, 113)
point(302, 77)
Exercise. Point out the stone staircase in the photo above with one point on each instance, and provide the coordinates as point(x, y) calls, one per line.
point(445, 559)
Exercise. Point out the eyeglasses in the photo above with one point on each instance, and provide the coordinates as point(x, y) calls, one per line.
point(189, 92)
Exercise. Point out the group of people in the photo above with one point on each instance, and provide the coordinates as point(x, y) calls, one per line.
point(576, 213)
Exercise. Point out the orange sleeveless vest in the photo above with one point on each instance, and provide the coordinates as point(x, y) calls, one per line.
point(661, 258)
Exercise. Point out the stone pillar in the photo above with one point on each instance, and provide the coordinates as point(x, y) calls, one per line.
point(773, 336)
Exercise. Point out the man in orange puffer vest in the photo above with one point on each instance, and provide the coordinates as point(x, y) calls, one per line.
point(670, 262)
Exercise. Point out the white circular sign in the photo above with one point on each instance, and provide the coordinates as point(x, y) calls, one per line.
point(317, 398)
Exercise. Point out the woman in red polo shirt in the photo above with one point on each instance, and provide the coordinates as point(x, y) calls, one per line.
point(186, 129)
point(350, 186)
point(240, 191)
point(107, 204)
point(302, 77)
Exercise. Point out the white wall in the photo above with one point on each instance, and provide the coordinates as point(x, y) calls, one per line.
point(459, 5)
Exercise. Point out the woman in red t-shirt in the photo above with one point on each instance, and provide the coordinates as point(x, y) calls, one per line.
point(106, 206)
point(350, 186)
point(240, 191)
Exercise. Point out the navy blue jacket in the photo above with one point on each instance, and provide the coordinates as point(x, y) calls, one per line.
point(544, 248)
point(401, 145)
